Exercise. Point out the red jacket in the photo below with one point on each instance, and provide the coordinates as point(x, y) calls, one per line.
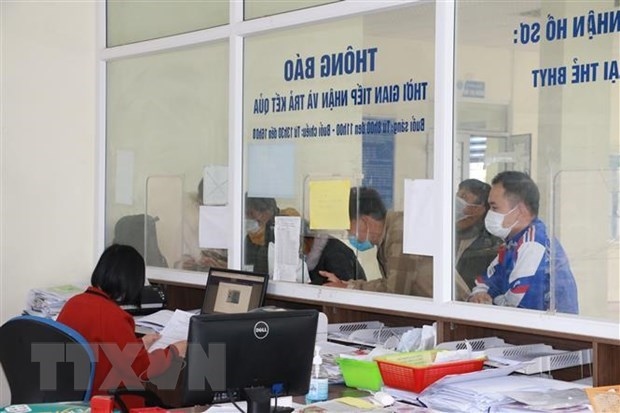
point(122, 359)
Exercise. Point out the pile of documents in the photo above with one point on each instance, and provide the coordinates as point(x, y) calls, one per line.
point(172, 326)
point(48, 302)
point(155, 322)
point(493, 390)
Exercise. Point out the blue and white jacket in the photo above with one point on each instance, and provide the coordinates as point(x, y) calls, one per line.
point(520, 274)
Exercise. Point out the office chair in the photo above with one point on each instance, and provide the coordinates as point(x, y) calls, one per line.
point(45, 361)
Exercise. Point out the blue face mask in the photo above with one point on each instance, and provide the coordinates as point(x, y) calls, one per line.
point(358, 245)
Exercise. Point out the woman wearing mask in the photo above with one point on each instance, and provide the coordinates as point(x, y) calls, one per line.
point(260, 216)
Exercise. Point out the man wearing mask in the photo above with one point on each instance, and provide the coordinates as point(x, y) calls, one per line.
point(475, 246)
point(372, 225)
point(520, 274)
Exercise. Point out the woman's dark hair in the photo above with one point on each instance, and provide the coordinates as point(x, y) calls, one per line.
point(120, 273)
point(366, 201)
point(479, 189)
point(261, 205)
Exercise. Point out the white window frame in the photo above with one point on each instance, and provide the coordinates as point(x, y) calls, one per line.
point(441, 305)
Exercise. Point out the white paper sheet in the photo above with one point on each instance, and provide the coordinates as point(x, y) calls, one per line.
point(286, 257)
point(156, 321)
point(213, 226)
point(286, 401)
point(478, 395)
point(420, 218)
point(175, 330)
point(215, 185)
point(271, 170)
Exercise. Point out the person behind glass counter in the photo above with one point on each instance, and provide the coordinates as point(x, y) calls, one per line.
point(372, 225)
point(122, 358)
point(260, 216)
point(323, 252)
point(195, 258)
point(475, 246)
point(519, 276)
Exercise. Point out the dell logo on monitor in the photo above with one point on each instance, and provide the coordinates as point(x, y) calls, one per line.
point(261, 330)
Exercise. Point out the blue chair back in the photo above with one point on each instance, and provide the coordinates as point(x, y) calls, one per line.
point(45, 361)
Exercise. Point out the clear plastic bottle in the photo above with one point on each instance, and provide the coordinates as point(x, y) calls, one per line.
point(319, 383)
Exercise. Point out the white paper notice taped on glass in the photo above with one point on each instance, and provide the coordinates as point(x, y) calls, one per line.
point(420, 235)
point(271, 170)
point(286, 256)
point(214, 222)
point(215, 185)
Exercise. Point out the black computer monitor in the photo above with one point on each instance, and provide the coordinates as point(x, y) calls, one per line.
point(249, 356)
point(233, 291)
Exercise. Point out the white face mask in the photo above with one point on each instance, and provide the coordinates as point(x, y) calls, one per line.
point(251, 226)
point(459, 209)
point(494, 223)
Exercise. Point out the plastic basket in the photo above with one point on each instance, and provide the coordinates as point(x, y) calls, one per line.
point(539, 358)
point(398, 373)
point(477, 344)
point(360, 374)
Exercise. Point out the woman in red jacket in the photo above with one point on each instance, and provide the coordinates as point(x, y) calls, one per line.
point(123, 360)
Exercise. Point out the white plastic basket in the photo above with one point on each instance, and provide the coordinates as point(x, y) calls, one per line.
point(368, 333)
point(539, 358)
point(377, 336)
point(343, 331)
point(477, 344)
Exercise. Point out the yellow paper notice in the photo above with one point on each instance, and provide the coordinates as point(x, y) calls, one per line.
point(329, 204)
point(356, 402)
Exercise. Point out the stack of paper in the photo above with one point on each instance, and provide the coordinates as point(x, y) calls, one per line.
point(330, 352)
point(173, 326)
point(485, 390)
point(176, 329)
point(156, 321)
point(49, 301)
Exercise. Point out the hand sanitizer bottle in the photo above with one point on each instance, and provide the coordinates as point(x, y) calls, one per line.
point(319, 384)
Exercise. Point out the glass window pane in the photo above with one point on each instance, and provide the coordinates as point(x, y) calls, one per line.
point(261, 8)
point(537, 93)
point(167, 127)
point(134, 21)
point(341, 104)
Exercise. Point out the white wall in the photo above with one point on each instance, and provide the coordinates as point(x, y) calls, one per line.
point(47, 142)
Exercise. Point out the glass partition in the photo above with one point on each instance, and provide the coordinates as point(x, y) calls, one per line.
point(257, 8)
point(134, 21)
point(350, 99)
point(164, 204)
point(536, 91)
point(591, 240)
point(167, 150)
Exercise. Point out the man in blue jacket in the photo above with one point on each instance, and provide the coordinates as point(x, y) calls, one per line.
point(520, 275)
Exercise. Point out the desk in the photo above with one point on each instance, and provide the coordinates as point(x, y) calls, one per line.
point(605, 368)
point(336, 392)
point(64, 407)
